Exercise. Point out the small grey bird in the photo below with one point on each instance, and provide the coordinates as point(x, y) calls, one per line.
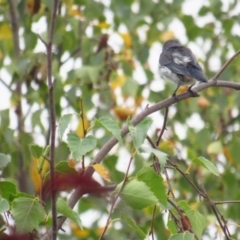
point(178, 65)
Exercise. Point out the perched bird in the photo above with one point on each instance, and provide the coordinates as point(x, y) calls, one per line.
point(178, 65)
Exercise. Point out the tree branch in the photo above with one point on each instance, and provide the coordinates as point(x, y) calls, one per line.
point(225, 65)
point(48, 46)
point(14, 19)
point(116, 197)
point(78, 193)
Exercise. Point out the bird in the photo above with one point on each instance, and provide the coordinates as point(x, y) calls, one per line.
point(178, 64)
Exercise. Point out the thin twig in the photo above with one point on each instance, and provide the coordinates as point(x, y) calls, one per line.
point(83, 127)
point(169, 184)
point(116, 197)
point(15, 29)
point(225, 66)
point(216, 213)
point(180, 213)
point(226, 202)
point(187, 178)
point(78, 49)
point(48, 46)
point(151, 232)
point(163, 127)
point(6, 85)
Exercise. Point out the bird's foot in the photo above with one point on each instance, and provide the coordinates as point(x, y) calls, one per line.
point(175, 96)
point(193, 92)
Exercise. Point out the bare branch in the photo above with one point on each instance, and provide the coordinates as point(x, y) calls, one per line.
point(152, 222)
point(48, 46)
point(20, 126)
point(116, 197)
point(225, 66)
point(226, 202)
point(163, 127)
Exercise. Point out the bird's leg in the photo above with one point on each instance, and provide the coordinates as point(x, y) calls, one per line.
point(193, 92)
point(174, 93)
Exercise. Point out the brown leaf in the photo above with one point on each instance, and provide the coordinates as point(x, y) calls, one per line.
point(186, 223)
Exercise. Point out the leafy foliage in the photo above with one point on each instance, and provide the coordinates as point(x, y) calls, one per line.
point(105, 72)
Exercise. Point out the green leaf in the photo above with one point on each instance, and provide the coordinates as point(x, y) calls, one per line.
point(110, 125)
point(215, 148)
point(65, 210)
point(4, 160)
point(133, 225)
point(184, 206)
point(139, 132)
point(201, 161)
point(137, 194)
point(35, 150)
point(63, 167)
point(80, 147)
point(88, 74)
point(130, 87)
point(182, 236)
point(63, 124)
point(4, 205)
point(162, 157)
point(198, 222)
point(4, 117)
point(155, 183)
point(7, 189)
point(172, 226)
point(28, 213)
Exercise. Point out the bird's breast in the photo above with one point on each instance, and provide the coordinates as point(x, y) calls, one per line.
point(168, 75)
point(178, 79)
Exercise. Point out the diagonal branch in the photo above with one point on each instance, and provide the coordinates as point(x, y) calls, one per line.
point(225, 65)
point(78, 193)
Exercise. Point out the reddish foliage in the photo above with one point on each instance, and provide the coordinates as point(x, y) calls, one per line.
point(186, 223)
point(17, 237)
point(67, 182)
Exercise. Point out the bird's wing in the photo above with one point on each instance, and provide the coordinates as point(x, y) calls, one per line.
point(184, 56)
point(175, 61)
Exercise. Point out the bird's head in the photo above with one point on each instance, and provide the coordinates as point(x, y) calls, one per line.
point(171, 43)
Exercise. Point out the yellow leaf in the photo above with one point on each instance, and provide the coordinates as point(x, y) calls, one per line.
point(203, 102)
point(195, 205)
point(117, 80)
point(82, 126)
point(5, 31)
point(71, 163)
point(33, 6)
point(228, 154)
point(167, 35)
point(78, 232)
point(76, 12)
point(103, 25)
point(127, 39)
point(138, 100)
point(102, 171)
point(123, 112)
point(127, 54)
point(167, 146)
point(68, 3)
point(100, 230)
point(34, 174)
point(215, 148)
point(1, 55)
